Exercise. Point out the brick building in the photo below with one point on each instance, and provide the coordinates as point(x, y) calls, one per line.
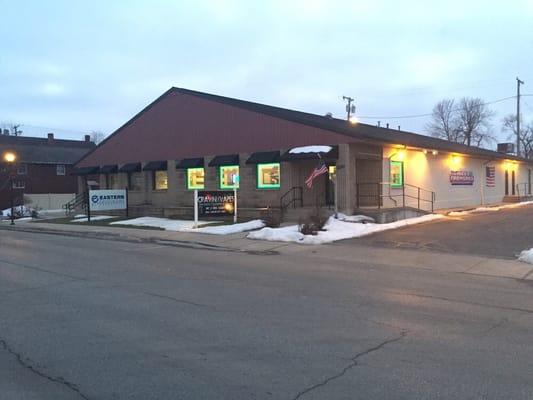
point(42, 172)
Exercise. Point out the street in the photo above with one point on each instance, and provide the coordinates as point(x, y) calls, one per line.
point(86, 318)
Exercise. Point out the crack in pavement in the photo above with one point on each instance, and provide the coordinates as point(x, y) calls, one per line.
point(353, 364)
point(472, 303)
point(25, 362)
point(191, 303)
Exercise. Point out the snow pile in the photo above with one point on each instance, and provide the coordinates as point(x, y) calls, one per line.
point(188, 225)
point(163, 223)
point(229, 229)
point(526, 256)
point(18, 211)
point(335, 230)
point(310, 149)
point(488, 209)
point(355, 218)
point(95, 218)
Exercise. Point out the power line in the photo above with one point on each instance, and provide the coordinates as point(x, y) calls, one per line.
point(430, 114)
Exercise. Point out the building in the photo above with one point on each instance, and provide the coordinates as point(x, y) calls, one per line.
point(42, 172)
point(188, 140)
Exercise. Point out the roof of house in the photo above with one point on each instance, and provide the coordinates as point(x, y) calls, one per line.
point(183, 123)
point(32, 150)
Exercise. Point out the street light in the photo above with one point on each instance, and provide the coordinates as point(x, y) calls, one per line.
point(10, 158)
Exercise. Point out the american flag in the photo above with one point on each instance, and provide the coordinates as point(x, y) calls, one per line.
point(319, 170)
point(490, 176)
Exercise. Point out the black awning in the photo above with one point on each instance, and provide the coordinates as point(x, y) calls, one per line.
point(109, 169)
point(190, 163)
point(230, 159)
point(333, 154)
point(131, 167)
point(264, 157)
point(85, 171)
point(155, 166)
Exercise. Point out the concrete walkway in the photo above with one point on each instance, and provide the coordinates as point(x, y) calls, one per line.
point(344, 251)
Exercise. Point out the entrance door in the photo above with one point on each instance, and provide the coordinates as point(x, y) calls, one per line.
point(506, 183)
point(513, 183)
point(529, 181)
point(368, 175)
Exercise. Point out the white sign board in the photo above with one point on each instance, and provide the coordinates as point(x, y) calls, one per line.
point(100, 200)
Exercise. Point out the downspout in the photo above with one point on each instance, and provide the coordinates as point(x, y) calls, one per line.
point(389, 192)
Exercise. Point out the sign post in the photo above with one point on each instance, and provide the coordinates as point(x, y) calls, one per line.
point(235, 205)
point(195, 208)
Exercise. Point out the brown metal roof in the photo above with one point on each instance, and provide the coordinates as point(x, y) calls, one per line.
point(185, 124)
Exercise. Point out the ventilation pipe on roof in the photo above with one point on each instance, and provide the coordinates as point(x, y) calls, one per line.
point(387, 125)
point(87, 138)
point(329, 115)
point(379, 124)
point(399, 128)
point(50, 138)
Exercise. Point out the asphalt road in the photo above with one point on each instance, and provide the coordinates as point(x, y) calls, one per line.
point(101, 319)
point(501, 234)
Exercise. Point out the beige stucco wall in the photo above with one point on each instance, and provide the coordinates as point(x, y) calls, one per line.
point(432, 172)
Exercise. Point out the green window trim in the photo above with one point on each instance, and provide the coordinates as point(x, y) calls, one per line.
point(260, 180)
point(189, 173)
point(221, 177)
point(396, 174)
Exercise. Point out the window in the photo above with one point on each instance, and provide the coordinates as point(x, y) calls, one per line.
point(268, 176)
point(195, 178)
point(112, 181)
point(160, 180)
point(19, 184)
point(22, 169)
point(396, 173)
point(135, 181)
point(60, 169)
point(229, 177)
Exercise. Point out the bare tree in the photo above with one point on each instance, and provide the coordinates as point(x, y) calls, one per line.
point(526, 134)
point(11, 129)
point(467, 123)
point(443, 124)
point(97, 136)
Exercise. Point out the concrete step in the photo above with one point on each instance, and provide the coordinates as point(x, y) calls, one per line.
point(302, 213)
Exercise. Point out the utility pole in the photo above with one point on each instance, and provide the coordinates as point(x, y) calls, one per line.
point(518, 83)
point(350, 108)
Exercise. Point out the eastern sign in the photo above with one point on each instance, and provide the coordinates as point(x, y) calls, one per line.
point(461, 178)
point(216, 203)
point(100, 200)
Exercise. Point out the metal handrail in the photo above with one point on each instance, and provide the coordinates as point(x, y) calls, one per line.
point(526, 187)
point(297, 196)
point(80, 199)
point(379, 196)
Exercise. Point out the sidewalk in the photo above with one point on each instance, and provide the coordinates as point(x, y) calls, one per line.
point(340, 252)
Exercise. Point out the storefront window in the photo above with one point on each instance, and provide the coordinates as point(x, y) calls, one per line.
point(268, 176)
point(195, 178)
point(112, 182)
point(160, 180)
point(229, 177)
point(396, 173)
point(135, 181)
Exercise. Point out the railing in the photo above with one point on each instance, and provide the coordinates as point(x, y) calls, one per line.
point(373, 195)
point(79, 200)
point(523, 189)
point(292, 197)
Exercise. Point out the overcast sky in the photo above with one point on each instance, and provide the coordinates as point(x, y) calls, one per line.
point(75, 66)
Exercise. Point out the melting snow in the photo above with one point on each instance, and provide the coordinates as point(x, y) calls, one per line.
point(335, 230)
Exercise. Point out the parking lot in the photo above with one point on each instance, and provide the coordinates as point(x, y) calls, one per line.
point(499, 234)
